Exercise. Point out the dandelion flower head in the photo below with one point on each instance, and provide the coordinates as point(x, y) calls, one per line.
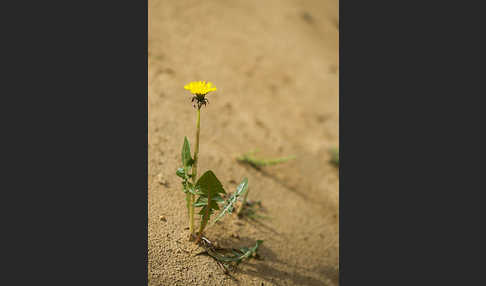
point(200, 87)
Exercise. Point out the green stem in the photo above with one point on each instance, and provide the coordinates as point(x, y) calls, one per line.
point(191, 213)
point(188, 202)
point(194, 168)
point(205, 218)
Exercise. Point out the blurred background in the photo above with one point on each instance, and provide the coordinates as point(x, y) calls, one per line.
point(276, 65)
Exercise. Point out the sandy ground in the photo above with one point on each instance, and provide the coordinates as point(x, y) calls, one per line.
point(275, 63)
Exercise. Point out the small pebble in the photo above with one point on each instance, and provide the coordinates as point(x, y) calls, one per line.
point(162, 181)
point(162, 218)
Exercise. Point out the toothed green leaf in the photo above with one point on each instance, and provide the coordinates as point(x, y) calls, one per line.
point(203, 201)
point(208, 184)
point(190, 189)
point(248, 252)
point(228, 208)
point(187, 187)
point(209, 188)
point(237, 255)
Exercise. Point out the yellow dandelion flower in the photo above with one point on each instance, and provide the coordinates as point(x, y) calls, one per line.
point(200, 87)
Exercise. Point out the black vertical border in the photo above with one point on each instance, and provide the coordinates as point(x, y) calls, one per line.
point(77, 86)
point(410, 212)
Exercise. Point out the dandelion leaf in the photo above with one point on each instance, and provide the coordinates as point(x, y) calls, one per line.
point(248, 252)
point(237, 255)
point(186, 154)
point(228, 208)
point(209, 190)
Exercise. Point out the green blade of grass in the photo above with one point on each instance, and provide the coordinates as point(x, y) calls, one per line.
point(250, 159)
